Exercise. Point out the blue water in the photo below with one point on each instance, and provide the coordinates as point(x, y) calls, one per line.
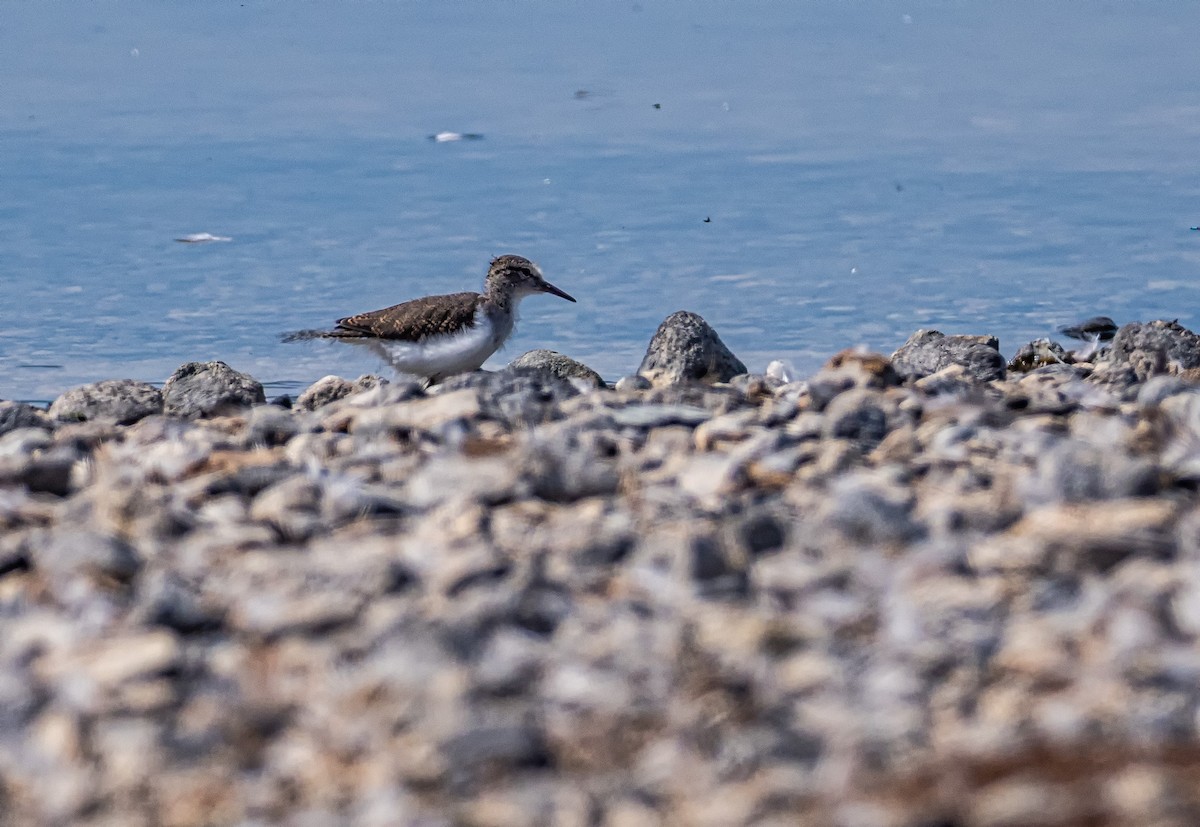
point(814, 175)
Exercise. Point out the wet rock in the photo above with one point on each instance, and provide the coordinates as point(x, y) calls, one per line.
point(1151, 348)
point(557, 365)
point(686, 349)
point(758, 533)
point(715, 573)
point(202, 389)
point(123, 401)
point(120, 660)
point(928, 351)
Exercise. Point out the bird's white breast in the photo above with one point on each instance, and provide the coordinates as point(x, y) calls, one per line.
point(446, 354)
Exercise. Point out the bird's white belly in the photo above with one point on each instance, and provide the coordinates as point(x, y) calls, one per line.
point(442, 355)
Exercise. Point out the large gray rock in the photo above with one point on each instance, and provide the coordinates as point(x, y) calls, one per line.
point(686, 349)
point(1155, 347)
point(928, 351)
point(558, 365)
point(123, 401)
point(200, 389)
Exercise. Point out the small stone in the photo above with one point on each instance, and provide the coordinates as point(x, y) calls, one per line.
point(509, 663)
point(483, 751)
point(323, 391)
point(872, 370)
point(82, 551)
point(123, 401)
point(291, 507)
point(628, 384)
point(165, 599)
point(14, 415)
point(759, 533)
point(424, 413)
point(870, 509)
point(270, 426)
point(860, 415)
point(205, 389)
point(686, 349)
point(558, 365)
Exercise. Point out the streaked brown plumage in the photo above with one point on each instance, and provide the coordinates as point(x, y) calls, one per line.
point(437, 336)
point(414, 320)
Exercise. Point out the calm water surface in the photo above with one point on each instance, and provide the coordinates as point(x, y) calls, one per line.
point(807, 176)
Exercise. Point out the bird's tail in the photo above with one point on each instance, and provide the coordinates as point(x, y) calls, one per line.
point(306, 335)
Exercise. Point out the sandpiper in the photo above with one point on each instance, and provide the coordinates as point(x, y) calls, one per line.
point(438, 336)
point(1094, 331)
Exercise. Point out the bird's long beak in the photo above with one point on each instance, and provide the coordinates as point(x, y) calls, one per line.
point(547, 287)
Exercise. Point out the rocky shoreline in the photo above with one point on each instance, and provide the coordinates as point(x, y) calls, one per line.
point(935, 588)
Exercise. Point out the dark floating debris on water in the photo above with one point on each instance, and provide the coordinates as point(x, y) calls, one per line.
point(202, 238)
point(452, 137)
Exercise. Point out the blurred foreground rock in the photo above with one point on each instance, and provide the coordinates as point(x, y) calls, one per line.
point(893, 595)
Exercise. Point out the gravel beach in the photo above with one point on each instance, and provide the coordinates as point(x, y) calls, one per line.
point(927, 589)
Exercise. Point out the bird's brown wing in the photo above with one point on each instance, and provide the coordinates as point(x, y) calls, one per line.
point(414, 320)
